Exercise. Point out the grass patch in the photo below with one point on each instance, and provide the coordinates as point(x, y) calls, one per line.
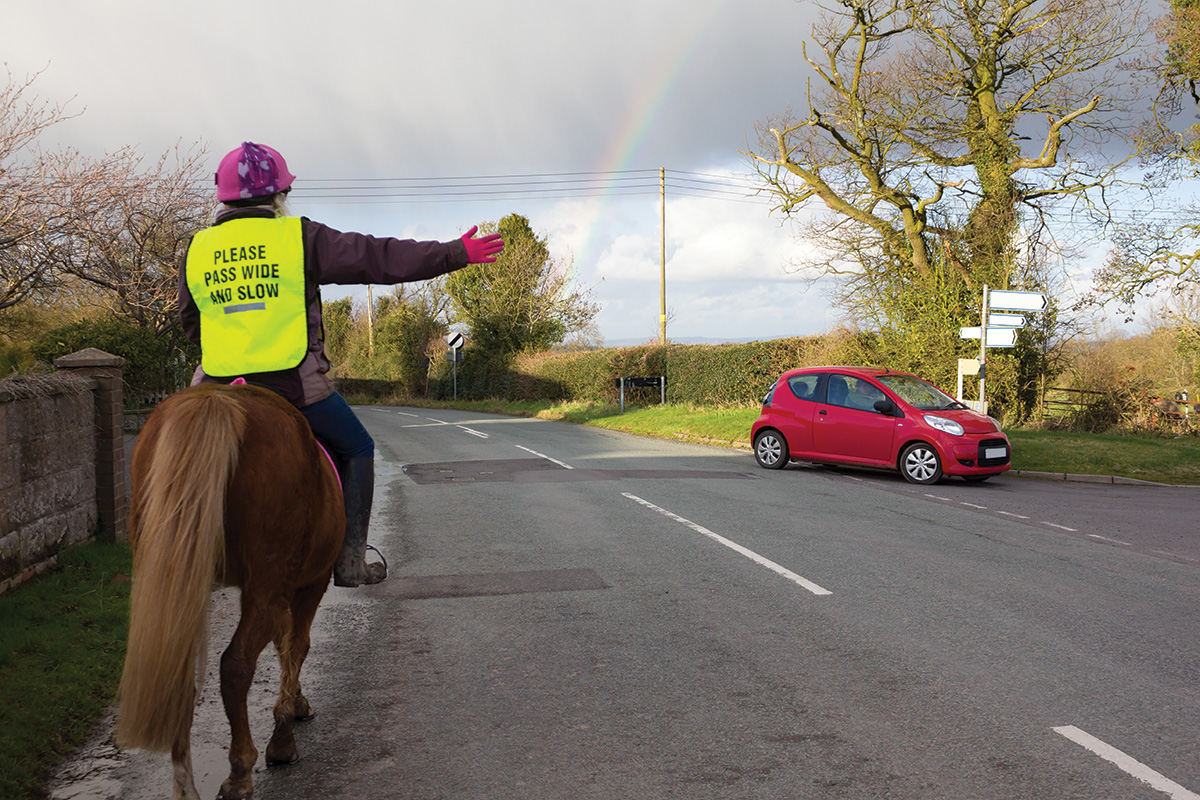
point(1148, 458)
point(62, 643)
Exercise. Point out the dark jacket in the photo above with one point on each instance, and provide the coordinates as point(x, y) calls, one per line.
point(330, 256)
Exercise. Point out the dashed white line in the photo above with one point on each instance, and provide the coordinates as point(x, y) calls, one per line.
point(542, 455)
point(1126, 762)
point(1105, 539)
point(750, 554)
point(471, 431)
point(972, 505)
point(1010, 514)
point(1060, 527)
point(936, 497)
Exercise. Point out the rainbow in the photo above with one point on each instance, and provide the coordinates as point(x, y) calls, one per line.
point(643, 112)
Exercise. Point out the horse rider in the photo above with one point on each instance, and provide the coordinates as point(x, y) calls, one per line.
point(249, 295)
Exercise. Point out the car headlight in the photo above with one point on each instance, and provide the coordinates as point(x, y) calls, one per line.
point(944, 425)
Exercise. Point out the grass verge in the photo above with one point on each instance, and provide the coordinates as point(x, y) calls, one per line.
point(62, 643)
point(1150, 458)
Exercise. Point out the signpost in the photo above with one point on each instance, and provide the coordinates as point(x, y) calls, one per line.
point(998, 330)
point(455, 342)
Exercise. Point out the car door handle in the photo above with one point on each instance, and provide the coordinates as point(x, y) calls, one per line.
point(821, 412)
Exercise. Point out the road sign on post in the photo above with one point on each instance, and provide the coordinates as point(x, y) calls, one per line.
point(1006, 321)
point(1018, 301)
point(455, 342)
point(999, 330)
point(996, 337)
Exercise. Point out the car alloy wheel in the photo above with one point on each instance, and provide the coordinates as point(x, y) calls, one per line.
point(919, 463)
point(770, 449)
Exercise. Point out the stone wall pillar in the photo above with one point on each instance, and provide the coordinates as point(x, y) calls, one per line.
point(112, 492)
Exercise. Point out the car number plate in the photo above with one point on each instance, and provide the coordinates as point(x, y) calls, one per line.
point(995, 452)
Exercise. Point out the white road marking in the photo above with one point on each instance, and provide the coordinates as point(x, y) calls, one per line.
point(1126, 762)
point(548, 458)
point(406, 414)
point(1010, 514)
point(750, 554)
point(1173, 555)
point(972, 505)
point(1060, 527)
point(1105, 538)
point(472, 432)
point(936, 497)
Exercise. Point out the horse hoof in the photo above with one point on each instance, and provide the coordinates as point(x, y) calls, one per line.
point(231, 792)
point(311, 715)
point(282, 759)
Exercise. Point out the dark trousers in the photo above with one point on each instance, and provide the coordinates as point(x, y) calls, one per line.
point(334, 423)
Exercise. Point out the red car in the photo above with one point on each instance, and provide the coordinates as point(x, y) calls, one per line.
point(872, 417)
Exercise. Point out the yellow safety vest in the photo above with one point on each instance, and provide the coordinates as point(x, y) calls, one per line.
point(247, 279)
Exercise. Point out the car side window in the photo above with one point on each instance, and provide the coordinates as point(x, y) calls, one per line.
point(855, 393)
point(804, 387)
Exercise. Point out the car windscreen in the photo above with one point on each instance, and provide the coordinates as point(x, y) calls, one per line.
point(918, 393)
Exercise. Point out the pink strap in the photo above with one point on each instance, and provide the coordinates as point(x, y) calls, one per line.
point(336, 474)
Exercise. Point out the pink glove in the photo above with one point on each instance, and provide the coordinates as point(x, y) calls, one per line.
point(484, 250)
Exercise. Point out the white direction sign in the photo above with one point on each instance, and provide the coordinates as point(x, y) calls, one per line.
point(1016, 301)
point(996, 337)
point(1006, 320)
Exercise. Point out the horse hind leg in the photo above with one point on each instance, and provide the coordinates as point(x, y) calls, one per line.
point(293, 647)
point(238, 664)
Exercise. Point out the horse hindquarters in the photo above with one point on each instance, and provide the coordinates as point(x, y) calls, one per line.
point(181, 469)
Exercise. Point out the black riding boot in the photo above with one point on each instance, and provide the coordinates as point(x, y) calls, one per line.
point(358, 487)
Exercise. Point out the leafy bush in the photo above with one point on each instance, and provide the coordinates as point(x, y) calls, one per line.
point(154, 363)
point(15, 358)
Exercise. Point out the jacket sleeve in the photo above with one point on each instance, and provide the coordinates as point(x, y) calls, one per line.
point(189, 314)
point(358, 258)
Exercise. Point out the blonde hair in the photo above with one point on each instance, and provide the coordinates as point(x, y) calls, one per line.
point(276, 202)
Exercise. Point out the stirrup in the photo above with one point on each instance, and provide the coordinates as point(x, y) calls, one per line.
point(367, 567)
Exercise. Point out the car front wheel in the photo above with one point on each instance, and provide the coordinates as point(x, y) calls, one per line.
point(770, 449)
point(919, 463)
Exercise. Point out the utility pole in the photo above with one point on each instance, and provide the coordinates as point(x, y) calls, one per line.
point(662, 257)
point(370, 324)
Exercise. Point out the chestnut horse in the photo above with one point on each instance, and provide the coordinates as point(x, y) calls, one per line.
point(229, 487)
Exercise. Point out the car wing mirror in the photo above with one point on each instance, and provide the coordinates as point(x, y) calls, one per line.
point(886, 407)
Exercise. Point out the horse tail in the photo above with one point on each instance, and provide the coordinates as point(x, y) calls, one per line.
point(178, 533)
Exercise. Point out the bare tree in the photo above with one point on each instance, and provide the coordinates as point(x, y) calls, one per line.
point(35, 211)
point(935, 127)
point(133, 226)
point(1152, 258)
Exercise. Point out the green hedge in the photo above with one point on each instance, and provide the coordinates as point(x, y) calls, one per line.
point(707, 375)
point(711, 375)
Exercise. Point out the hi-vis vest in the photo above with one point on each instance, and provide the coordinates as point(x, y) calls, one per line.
point(247, 279)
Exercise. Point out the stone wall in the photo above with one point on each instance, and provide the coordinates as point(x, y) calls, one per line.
point(62, 462)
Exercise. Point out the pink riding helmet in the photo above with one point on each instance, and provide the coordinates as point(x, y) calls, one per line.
point(252, 170)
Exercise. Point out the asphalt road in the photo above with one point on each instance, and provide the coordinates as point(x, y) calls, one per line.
point(576, 613)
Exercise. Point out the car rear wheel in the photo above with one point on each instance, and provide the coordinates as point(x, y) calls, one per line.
point(770, 449)
point(919, 463)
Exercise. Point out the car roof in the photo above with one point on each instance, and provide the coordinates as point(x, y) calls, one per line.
point(873, 372)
